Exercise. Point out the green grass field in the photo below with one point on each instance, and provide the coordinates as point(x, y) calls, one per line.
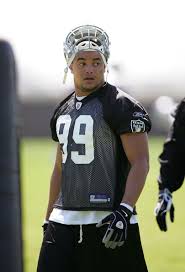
point(164, 252)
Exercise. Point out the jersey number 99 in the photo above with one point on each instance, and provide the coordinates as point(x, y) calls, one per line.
point(63, 127)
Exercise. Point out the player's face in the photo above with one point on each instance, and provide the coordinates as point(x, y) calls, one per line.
point(88, 69)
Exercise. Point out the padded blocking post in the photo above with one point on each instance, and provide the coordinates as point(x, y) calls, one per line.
point(10, 201)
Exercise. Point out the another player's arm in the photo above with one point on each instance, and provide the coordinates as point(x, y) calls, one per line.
point(55, 182)
point(136, 149)
point(172, 170)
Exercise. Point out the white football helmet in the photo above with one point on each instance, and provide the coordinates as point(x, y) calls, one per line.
point(86, 38)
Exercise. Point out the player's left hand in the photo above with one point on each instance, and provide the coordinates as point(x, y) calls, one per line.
point(164, 206)
point(117, 221)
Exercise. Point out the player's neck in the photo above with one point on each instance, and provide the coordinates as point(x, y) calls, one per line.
point(85, 92)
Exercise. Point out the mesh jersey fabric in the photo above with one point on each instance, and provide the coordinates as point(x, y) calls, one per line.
point(95, 167)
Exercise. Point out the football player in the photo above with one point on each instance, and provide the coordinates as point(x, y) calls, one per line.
point(102, 162)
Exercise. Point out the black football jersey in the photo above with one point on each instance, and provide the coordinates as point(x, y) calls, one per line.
point(95, 167)
point(172, 166)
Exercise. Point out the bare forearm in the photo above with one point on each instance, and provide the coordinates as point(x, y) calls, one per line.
point(53, 192)
point(55, 183)
point(135, 182)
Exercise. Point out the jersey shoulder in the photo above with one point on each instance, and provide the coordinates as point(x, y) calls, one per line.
point(57, 111)
point(118, 97)
point(125, 113)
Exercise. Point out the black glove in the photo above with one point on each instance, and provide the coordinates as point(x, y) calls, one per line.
point(164, 205)
point(44, 227)
point(117, 222)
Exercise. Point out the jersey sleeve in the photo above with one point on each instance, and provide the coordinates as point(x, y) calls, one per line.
point(129, 116)
point(171, 159)
point(53, 124)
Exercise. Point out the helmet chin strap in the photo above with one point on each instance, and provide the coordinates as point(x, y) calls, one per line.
point(65, 75)
point(67, 67)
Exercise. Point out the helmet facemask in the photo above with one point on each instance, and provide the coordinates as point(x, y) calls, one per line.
point(85, 38)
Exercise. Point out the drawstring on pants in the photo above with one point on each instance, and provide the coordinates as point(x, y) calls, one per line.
point(81, 235)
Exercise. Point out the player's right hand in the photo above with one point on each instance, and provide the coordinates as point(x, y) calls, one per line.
point(164, 205)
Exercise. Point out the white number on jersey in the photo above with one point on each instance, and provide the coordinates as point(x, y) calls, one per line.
point(63, 126)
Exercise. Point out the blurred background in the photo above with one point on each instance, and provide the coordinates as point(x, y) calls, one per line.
point(147, 61)
point(147, 52)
